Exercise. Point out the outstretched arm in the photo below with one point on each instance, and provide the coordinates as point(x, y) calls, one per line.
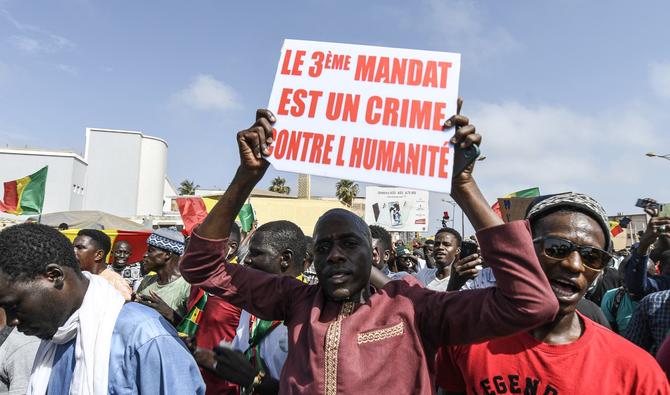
point(204, 264)
point(522, 298)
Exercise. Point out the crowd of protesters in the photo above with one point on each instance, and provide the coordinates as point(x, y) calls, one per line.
point(541, 306)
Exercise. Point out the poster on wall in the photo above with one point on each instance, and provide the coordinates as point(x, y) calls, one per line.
point(397, 209)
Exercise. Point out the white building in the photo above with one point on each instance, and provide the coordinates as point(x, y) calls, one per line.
point(122, 173)
point(126, 172)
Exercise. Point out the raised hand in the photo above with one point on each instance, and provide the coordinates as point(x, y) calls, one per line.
point(466, 135)
point(254, 144)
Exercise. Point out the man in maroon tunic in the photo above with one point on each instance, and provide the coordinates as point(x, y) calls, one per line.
point(343, 336)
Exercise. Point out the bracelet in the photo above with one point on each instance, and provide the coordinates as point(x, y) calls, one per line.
point(257, 381)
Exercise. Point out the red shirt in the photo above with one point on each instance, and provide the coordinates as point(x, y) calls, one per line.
point(599, 362)
point(389, 342)
point(218, 322)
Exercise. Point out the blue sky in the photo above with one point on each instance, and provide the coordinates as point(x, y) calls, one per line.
point(569, 95)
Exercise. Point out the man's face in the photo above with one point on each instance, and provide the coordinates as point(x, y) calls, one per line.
point(262, 256)
point(155, 258)
point(446, 249)
point(34, 307)
point(569, 278)
point(121, 253)
point(428, 251)
point(405, 263)
point(342, 257)
point(380, 256)
point(87, 253)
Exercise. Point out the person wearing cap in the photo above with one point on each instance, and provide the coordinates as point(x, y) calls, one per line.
point(572, 242)
point(343, 335)
point(169, 294)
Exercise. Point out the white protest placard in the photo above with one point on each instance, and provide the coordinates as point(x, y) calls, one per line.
point(397, 209)
point(365, 113)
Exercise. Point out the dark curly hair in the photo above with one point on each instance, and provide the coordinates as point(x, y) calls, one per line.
point(99, 238)
point(453, 231)
point(27, 249)
point(379, 233)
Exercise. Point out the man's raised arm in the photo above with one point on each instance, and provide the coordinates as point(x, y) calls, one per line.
point(522, 299)
point(204, 263)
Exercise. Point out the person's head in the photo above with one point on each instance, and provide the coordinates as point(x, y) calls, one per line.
point(381, 246)
point(41, 283)
point(404, 261)
point(447, 246)
point(121, 252)
point(664, 264)
point(343, 255)
point(164, 247)
point(234, 240)
point(91, 246)
point(309, 252)
point(572, 242)
point(63, 226)
point(428, 250)
point(277, 247)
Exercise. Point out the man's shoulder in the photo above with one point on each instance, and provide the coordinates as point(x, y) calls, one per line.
point(622, 355)
point(137, 324)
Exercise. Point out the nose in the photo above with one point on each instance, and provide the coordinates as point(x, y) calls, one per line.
point(573, 262)
point(335, 256)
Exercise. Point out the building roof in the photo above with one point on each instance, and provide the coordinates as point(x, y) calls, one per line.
point(42, 152)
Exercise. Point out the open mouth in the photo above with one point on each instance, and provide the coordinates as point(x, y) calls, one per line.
point(564, 288)
point(339, 277)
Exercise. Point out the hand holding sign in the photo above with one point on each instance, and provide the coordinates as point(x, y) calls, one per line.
point(254, 144)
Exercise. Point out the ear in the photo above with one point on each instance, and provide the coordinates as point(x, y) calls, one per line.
point(233, 245)
point(55, 274)
point(286, 260)
point(458, 252)
point(99, 255)
point(387, 255)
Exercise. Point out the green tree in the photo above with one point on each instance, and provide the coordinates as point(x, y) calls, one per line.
point(279, 187)
point(187, 187)
point(346, 191)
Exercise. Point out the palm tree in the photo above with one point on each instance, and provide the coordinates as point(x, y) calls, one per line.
point(187, 187)
point(346, 191)
point(279, 187)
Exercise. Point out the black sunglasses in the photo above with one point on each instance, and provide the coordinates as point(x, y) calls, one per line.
point(558, 249)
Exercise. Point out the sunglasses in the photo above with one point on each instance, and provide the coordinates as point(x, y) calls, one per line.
point(559, 249)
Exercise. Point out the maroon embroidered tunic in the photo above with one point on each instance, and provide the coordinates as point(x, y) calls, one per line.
point(389, 343)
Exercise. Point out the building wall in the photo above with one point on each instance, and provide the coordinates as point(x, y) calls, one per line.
point(65, 179)
point(112, 177)
point(153, 167)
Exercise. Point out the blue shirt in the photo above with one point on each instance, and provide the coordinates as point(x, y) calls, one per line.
point(650, 322)
point(146, 357)
point(636, 279)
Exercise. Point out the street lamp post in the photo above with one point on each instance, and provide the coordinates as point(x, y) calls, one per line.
point(653, 155)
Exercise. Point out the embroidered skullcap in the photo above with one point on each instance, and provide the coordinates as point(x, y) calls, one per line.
point(168, 240)
point(549, 203)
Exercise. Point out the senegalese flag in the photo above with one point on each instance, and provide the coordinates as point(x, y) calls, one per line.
point(25, 195)
point(194, 209)
point(526, 193)
point(136, 238)
point(615, 228)
point(189, 325)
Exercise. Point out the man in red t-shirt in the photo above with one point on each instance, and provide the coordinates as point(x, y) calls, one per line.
point(218, 323)
point(572, 354)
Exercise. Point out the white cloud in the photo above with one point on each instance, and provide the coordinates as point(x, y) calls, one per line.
point(560, 150)
point(206, 93)
point(67, 69)
point(35, 40)
point(456, 26)
point(659, 78)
